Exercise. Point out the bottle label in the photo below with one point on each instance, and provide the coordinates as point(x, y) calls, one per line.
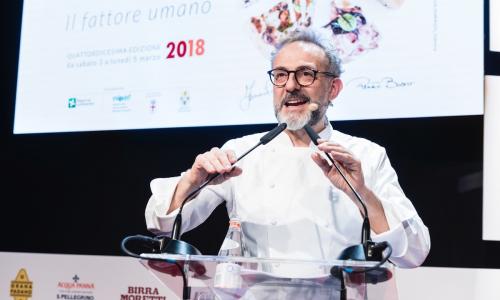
point(234, 224)
point(227, 276)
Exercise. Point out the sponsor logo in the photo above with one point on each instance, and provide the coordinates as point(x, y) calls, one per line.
point(121, 98)
point(142, 293)
point(21, 288)
point(71, 102)
point(152, 100)
point(153, 105)
point(79, 102)
point(75, 289)
point(184, 100)
point(121, 103)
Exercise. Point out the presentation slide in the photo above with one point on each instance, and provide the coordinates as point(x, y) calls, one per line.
point(491, 188)
point(113, 65)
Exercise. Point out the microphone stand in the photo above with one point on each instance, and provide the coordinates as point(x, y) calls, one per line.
point(367, 250)
point(356, 252)
point(173, 244)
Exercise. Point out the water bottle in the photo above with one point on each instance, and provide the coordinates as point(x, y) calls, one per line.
point(227, 274)
point(233, 244)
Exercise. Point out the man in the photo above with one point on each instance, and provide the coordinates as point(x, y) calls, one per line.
point(291, 201)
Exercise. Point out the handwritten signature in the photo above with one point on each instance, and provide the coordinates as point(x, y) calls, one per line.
point(366, 83)
point(251, 94)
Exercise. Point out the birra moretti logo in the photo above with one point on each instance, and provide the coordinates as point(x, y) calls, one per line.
point(142, 293)
point(69, 290)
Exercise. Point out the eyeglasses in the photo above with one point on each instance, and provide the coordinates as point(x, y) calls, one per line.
point(303, 76)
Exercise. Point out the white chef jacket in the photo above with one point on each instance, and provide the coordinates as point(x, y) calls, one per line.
point(289, 209)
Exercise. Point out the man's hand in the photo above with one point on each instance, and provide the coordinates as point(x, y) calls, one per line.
point(350, 166)
point(211, 162)
point(215, 161)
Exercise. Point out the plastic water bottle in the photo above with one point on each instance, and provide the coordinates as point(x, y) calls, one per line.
point(227, 274)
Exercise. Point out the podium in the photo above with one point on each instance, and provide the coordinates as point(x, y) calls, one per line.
point(215, 277)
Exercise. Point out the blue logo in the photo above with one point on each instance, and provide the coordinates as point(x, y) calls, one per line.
point(122, 98)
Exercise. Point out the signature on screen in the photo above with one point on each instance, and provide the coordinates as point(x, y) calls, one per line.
point(252, 93)
point(366, 83)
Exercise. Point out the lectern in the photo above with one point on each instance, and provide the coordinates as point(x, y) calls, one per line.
point(216, 277)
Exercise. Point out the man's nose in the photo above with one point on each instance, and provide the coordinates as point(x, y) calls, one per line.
point(292, 85)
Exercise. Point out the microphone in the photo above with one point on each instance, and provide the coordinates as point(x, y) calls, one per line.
point(313, 106)
point(174, 245)
point(353, 252)
point(367, 250)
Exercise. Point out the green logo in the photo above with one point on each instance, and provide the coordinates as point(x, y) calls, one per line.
point(71, 102)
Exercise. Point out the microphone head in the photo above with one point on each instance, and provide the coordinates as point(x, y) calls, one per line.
point(272, 134)
point(313, 106)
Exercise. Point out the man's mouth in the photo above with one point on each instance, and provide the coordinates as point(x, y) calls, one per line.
point(296, 102)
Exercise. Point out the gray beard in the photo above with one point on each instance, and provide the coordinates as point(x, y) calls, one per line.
point(295, 123)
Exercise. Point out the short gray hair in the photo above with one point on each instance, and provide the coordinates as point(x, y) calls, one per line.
point(312, 37)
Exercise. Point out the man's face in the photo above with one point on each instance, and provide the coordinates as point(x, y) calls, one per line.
point(291, 102)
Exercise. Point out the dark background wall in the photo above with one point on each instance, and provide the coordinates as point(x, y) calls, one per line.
point(81, 193)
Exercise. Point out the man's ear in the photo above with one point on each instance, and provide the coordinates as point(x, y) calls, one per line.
point(335, 88)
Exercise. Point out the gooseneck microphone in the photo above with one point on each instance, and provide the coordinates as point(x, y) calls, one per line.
point(365, 229)
point(174, 245)
point(367, 250)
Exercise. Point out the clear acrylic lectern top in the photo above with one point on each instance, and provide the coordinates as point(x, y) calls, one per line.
point(217, 277)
